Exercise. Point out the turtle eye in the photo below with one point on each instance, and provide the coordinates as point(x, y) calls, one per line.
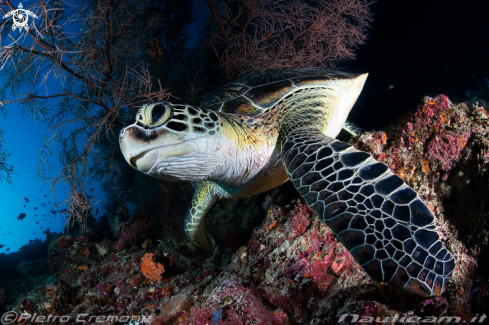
point(157, 112)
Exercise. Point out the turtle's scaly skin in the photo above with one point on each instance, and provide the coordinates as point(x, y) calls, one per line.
point(382, 222)
point(257, 132)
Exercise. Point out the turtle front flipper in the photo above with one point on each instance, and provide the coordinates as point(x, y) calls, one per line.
point(206, 194)
point(382, 222)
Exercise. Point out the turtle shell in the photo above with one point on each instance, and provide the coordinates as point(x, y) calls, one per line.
point(256, 93)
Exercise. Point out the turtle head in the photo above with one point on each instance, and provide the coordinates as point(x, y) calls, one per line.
point(171, 142)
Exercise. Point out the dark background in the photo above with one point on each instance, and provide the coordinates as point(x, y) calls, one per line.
point(421, 48)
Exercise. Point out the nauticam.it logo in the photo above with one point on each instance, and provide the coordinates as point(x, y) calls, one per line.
point(21, 24)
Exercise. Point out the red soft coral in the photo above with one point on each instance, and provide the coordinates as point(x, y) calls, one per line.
point(150, 269)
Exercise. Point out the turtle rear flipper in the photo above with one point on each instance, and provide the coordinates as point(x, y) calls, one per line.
point(353, 129)
point(382, 222)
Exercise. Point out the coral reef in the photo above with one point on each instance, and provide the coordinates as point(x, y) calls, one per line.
point(441, 151)
point(276, 263)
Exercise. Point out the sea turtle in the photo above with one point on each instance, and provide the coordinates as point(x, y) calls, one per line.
point(265, 128)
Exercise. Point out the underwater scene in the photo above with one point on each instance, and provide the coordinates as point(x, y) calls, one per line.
point(244, 162)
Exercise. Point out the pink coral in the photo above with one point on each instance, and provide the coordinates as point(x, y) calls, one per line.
point(238, 305)
point(437, 301)
point(288, 264)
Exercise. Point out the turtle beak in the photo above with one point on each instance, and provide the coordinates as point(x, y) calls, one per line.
point(144, 161)
point(139, 155)
point(124, 145)
point(132, 162)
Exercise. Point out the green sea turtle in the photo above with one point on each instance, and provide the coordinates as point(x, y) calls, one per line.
point(265, 128)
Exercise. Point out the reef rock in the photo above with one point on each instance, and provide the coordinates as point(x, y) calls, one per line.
point(292, 269)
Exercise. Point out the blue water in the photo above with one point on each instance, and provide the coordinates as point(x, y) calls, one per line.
point(23, 141)
point(23, 138)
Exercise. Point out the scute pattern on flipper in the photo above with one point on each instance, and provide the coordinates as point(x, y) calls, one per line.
point(382, 222)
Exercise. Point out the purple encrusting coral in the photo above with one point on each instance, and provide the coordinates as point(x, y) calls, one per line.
point(291, 260)
point(293, 269)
